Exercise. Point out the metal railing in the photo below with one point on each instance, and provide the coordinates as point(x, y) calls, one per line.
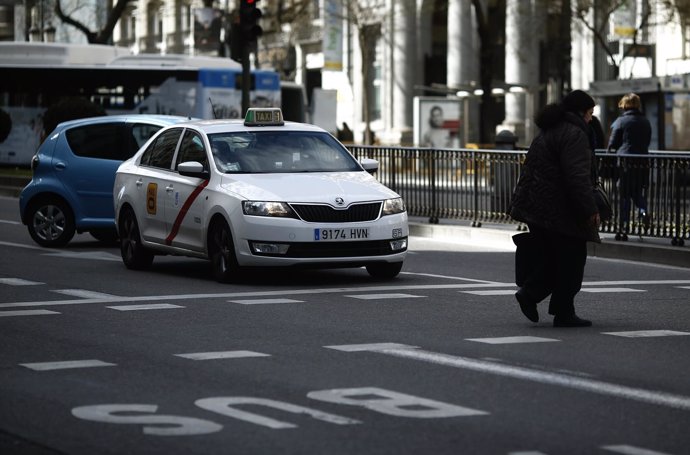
point(477, 185)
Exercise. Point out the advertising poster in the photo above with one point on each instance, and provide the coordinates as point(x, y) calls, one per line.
point(437, 122)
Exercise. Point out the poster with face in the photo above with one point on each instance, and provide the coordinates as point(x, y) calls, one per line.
point(437, 122)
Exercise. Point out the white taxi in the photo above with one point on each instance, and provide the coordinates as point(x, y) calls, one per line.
point(258, 192)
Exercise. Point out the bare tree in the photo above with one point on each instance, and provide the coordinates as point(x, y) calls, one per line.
point(101, 36)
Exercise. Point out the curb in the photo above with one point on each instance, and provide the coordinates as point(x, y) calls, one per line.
point(647, 250)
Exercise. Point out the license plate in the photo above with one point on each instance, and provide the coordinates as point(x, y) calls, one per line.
point(329, 235)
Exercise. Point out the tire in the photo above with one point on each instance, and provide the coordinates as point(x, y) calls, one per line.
point(51, 222)
point(107, 236)
point(221, 251)
point(385, 270)
point(134, 255)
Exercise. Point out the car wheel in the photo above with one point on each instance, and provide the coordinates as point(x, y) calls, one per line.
point(222, 253)
point(107, 236)
point(385, 270)
point(134, 255)
point(51, 222)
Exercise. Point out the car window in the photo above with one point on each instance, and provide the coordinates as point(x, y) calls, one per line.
point(101, 140)
point(138, 135)
point(280, 152)
point(161, 151)
point(192, 149)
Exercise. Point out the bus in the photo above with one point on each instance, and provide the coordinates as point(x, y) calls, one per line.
point(35, 76)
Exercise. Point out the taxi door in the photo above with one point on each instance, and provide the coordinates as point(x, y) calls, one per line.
point(185, 201)
point(155, 171)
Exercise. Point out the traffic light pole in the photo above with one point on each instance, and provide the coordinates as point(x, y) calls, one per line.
point(246, 79)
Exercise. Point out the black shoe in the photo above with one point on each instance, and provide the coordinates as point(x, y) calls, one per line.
point(570, 321)
point(527, 306)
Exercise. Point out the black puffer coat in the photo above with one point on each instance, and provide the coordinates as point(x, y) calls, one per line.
point(555, 188)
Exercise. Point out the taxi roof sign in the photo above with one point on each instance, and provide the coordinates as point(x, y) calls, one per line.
point(264, 116)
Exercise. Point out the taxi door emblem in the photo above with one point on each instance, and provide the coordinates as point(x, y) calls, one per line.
point(340, 201)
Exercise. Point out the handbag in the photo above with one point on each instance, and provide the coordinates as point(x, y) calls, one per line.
point(601, 198)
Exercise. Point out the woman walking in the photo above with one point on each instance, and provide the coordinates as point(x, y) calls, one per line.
point(554, 198)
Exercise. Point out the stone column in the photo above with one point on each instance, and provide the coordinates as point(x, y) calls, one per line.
point(403, 75)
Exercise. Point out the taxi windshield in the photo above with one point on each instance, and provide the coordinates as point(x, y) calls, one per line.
point(280, 152)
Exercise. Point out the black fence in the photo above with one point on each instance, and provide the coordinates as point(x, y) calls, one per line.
point(477, 185)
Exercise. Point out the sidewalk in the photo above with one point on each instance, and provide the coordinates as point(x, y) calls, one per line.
point(647, 250)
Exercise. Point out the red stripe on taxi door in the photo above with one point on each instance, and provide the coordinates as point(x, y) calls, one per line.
point(183, 211)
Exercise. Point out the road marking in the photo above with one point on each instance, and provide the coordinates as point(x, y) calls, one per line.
point(10, 222)
point(146, 306)
point(94, 255)
point(472, 280)
point(21, 245)
point(612, 290)
point(647, 333)
point(85, 294)
point(560, 379)
point(46, 366)
point(285, 292)
point(491, 292)
point(27, 313)
point(631, 450)
point(265, 301)
point(372, 347)
point(512, 340)
point(18, 282)
point(221, 355)
point(384, 296)
point(684, 287)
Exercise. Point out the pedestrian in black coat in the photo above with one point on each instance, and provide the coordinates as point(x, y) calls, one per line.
point(554, 198)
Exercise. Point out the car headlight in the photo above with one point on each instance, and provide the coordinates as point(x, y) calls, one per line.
point(393, 206)
point(260, 208)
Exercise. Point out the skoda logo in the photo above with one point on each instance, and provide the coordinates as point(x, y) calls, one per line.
point(339, 201)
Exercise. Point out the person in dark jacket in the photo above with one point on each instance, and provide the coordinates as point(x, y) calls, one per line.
point(554, 198)
point(631, 133)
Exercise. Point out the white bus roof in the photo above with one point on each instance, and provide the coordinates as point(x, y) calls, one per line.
point(18, 53)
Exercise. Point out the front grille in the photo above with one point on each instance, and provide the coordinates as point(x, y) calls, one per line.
point(327, 214)
point(337, 249)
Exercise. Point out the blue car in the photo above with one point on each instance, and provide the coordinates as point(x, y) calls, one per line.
point(73, 174)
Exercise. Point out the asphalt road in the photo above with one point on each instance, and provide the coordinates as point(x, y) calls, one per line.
point(97, 359)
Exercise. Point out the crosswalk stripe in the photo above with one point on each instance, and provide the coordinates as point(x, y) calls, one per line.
point(491, 292)
point(647, 333)
point(149, 306)
point(18, 282)
point(221, 355)
point(512, 340)
point(265, 301)
point(83, 293)
point(631, 450)
point(46, 366)
point(384, 296)
point(26, 313)
point(594, 290)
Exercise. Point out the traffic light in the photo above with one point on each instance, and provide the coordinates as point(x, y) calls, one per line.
point(249, 22)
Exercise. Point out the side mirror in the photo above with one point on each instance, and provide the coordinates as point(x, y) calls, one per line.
point(369, 165)
point(193, 169)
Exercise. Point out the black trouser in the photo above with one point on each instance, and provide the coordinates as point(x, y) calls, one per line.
point(559, 273)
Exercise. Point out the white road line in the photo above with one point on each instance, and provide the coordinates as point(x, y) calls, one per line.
point(83, 293)
point(433, 275)
point(491, 292)
point(285, 292)
point(264, 301)
point(384, 296)
point(18, 282)
point(26, 313)
point(564, 380)
point(93, 255)
point(647, 333)
point(684, 287)
point(221, 355)
point(631, 450)
point(371, 347)
point(46, 366)
point(616, 290)
point(10, 222)
point(147, 306)
point(512, 340)
point(21, 245)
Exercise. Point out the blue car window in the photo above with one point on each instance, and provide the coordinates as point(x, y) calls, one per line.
point(101, 140)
